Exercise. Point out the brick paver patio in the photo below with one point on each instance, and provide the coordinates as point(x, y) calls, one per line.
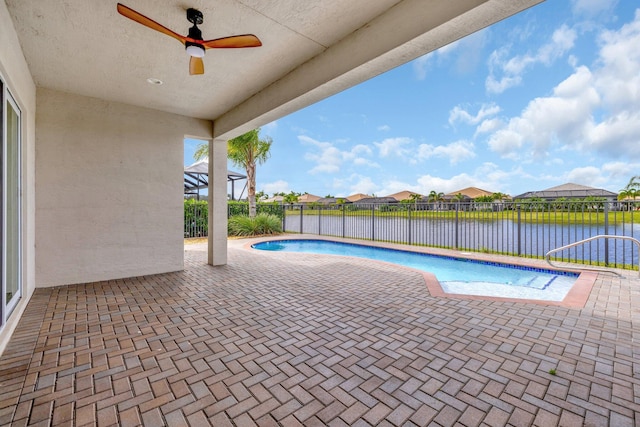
point(275, 339)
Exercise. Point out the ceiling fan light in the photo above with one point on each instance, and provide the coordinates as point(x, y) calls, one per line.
point(195, 50)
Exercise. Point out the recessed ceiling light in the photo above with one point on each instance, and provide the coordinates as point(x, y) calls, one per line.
point(153, 81)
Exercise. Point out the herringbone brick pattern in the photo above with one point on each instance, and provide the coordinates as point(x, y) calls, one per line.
point(275, 339)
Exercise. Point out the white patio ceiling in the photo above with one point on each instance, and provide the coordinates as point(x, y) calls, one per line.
point(311, 50)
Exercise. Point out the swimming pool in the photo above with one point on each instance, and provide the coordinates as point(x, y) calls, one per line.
point(455, 275)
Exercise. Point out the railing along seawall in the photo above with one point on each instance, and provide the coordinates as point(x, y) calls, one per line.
point(511, 228)
point(528, 229)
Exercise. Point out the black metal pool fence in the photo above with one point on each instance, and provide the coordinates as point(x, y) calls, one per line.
point(521, 229)
point(528, 229)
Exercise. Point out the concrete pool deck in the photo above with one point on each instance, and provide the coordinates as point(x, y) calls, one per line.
point(282, 339)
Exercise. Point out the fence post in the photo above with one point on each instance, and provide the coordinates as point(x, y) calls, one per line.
point(284, 217)
point(457, 224)
point(409, 224)
point(320, 222)
point(606, 232)
point(301, 218)
point(373, 222)
point(343, 221)
point(519, 231)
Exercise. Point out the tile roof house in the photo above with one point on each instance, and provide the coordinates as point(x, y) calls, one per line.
point(357, 196)
point(308, 198)
point(470, 192)
point(403, 195)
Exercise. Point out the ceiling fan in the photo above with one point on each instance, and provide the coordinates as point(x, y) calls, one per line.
point(194, 44)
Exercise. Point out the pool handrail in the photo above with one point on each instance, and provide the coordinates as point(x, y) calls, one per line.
point(583, 241)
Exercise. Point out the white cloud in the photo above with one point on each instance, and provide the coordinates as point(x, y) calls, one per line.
point(592, 111)
point(619, 77)
point(617, 171)
point(464, 54)
point(353, 184)
point(421, 65)
point(587, 175)
point(505, 72)
point(276, 187)
point(593, 7)
point(611, 176)
point(384, 128)
point(394, 147)
point(269, 127)
point(455, 152)
point(564, 116)
point(487, 176)
point(508, 142)
point(459, 114)
point(329, 158)
point(394, 186)
point(488, 126)
point(363, 185)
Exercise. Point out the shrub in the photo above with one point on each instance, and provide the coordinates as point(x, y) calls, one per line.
point(196, 218)
point(241, 225)
point(273, 209)
point(239, 208)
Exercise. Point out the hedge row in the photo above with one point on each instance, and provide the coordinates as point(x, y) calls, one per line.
point(196, 212)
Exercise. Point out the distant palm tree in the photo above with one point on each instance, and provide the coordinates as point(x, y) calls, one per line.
point(631, 190)
point(634, 182)
point(434, 196)
point(246, 151)
point(630, 193)
point(415, 198)
point(290, 199)
point(499, 196)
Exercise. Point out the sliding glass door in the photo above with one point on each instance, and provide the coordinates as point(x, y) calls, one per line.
point(11, 204)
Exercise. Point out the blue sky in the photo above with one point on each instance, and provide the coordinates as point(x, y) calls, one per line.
point(546, 97)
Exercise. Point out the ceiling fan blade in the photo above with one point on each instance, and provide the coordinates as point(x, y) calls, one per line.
point(148, 22)
point(245, 40)
point(196, 65)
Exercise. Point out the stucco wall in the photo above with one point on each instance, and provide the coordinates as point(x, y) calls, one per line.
point(15, 74)
point(109, 189)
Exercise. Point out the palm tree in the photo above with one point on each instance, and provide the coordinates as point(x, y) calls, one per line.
point(202, 151)
point(631, 190)
point(246, 151)
point(415, 198)
point(499, 196)
point(634, 182)
point(291, 198)
point(434, 196)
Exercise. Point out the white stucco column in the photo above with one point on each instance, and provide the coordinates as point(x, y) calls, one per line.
point(217, 202)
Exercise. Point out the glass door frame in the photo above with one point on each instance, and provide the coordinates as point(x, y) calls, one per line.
point(8, 102)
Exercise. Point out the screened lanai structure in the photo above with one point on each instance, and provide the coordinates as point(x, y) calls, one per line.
point(196, 178)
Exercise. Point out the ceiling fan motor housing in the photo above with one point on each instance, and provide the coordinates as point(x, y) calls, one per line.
point(194, 16)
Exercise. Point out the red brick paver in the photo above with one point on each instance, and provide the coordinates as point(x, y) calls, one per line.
point(275, 339)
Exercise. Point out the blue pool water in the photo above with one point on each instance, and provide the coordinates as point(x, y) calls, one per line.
point(456, 275)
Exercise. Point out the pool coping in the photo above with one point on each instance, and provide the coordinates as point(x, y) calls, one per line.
point(577, 296)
